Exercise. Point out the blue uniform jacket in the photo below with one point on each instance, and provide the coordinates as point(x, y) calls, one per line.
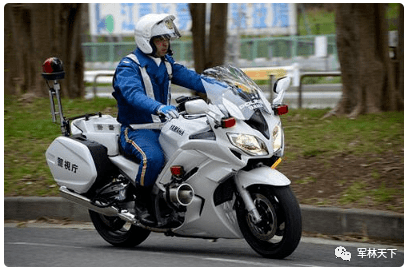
point(134, 106)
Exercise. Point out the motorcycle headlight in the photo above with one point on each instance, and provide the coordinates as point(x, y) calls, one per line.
point(250, 144)
point(277, 136)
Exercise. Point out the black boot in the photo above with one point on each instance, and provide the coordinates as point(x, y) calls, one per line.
point(143, 205)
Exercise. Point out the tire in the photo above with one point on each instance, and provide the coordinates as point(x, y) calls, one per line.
point(117, 232)
point(279, 233)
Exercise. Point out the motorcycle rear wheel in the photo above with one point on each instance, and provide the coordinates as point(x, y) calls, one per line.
point(279, 233)
point(117, 232)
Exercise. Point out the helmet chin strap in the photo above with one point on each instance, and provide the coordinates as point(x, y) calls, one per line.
point(154, 49)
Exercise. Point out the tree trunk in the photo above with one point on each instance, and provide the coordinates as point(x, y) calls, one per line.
point(217, 35)
point(367, 72)
point(209, 51)
point(35, 32)
point(399, 63)
point(198, 14)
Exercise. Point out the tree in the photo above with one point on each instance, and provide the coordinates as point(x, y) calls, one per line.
point(368, 77)
point(209, 51)
point(198, 14)
point(35, 32)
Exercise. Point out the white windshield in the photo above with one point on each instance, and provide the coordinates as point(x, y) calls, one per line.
point(232, 88)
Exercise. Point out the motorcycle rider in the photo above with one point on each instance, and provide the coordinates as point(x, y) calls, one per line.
point(142, 89)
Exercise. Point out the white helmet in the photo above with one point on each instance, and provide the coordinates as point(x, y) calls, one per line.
point(154, 25)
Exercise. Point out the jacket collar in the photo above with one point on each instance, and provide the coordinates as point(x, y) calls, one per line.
point(145, 59)
point(142, 58)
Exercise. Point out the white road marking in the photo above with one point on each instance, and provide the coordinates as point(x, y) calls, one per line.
point(41, 244)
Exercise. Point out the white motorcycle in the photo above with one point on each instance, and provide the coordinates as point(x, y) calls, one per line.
point(219, 179)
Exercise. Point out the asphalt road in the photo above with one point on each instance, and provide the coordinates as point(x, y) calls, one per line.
point(50, 245)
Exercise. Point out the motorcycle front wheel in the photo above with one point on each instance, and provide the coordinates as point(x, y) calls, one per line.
point(117, 232)
point(279, 232)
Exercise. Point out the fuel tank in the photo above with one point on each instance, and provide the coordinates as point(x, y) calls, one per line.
point(178, 132)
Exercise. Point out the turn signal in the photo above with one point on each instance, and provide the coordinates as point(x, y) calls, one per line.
point(177, 171)
point(228, 122)
point(276, 163)
point(280, 109)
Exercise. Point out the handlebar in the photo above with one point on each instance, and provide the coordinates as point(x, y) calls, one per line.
point(148, 126)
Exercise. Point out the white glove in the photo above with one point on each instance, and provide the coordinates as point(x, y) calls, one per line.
point(169, 111)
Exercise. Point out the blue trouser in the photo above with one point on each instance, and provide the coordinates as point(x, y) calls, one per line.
point(144, 145)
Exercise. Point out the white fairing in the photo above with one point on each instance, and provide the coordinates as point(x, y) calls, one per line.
point(262, 175)
point(177, 132)
point(71, 164)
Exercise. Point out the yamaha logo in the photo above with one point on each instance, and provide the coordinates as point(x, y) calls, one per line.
point(176, 129)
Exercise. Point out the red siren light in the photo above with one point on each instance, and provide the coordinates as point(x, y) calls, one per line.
point(53, 69)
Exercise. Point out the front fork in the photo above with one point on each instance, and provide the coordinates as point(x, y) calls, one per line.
point(249, 204)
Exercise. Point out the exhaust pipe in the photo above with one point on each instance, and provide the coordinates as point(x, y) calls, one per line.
point(85, 202)
point(108, 211)
point(182, 195)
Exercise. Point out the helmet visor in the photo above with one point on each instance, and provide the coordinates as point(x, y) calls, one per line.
point(166, 28)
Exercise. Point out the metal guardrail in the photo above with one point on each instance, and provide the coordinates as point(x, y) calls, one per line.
point(95, 80)
point(255, 73)
point(312, 74)
point(298, 77)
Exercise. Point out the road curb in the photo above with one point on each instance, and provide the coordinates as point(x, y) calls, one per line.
point(322, 220)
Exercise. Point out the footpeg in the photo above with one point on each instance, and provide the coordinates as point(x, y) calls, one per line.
point(127, 216)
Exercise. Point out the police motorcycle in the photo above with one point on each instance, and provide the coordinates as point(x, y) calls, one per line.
point(219, 179)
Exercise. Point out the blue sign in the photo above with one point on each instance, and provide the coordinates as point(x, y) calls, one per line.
point(254, 18)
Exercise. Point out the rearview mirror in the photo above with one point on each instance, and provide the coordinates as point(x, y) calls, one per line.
point(197, 106)
point(280, 87)
point(281, 84)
